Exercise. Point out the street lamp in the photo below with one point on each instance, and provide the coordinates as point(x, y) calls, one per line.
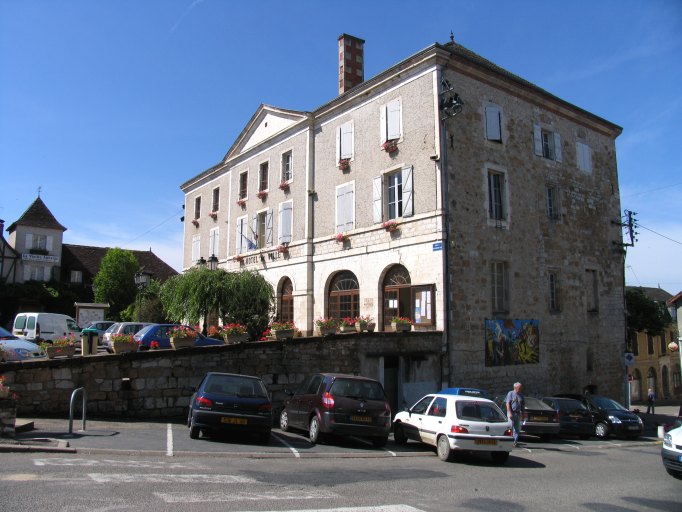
point(672, 346)
point(201, 262)
point(142, 279)
point(212, 262)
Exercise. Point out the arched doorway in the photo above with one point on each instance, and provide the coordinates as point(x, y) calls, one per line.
point(285, 302)
point(651, 379)
point(397, 295)
point(344, 296)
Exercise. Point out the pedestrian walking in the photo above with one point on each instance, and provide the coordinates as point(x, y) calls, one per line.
point(651, 402)
point(515, 405)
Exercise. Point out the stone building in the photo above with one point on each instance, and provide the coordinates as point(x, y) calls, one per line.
point(444, 189)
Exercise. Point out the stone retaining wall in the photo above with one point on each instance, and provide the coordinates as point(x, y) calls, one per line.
point(157, 384)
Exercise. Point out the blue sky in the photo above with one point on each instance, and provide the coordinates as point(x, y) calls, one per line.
point(108, 106)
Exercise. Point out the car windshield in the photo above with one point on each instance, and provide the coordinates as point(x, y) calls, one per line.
point(479, 411)
point(6, 335)
point(145, 330)
point(234, 385)
point(534, 403)
point(112, 328)
point(607, 403)
point(358, 389)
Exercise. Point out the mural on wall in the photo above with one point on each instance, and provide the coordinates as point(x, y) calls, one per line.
point(511, 342)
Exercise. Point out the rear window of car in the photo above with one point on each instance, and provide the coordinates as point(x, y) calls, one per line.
point(145, 330)
point(479, 411)
point(233, 385)
point(112, 328)
point(358, 389)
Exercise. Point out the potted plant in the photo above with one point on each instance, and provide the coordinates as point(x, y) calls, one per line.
point(390, 146)
point(182, 336)
point(391, 225)
point(347, 324)
point(362, 322)
point(283, 249)
point(123, 343)
point(59, 347)
point(238, 258)
point(344, 164)
point(284, 185)
point(213, 215)
point(283, 330)
point(195, 222)
point(262, 194)
point(327, 326)
point(234, 333)
point(241, 202)
point(401, 323)
point(341, 238)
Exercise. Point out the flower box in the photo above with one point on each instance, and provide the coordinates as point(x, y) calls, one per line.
point(241, 202)
point(195, 222)
point(60, 351)
point(341, 238)
point(238, 258)
point(344, 164)
point(391, 226)
point(360, 326)
point(390, 146)
point(283, 249)
point(284, 186)
point(121, 347)
point(283, 334)
point(233, 339)
point(178, 343)
point(262, 194)
point(213, 215)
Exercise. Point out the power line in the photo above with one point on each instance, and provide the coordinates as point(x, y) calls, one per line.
point(652, 190)
point(155, 227)
point(655, 233)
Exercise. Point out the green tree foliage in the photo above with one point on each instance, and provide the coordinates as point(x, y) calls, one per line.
point(645, 314)
point(242, 297)
point(115, 281)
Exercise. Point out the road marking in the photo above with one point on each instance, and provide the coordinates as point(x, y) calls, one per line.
point(199, 497)
point(62, 461)
point(104, 478)
point(379, 508)
point(293, 450)
point(169, 440)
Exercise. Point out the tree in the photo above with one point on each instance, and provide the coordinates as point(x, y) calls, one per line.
point(115, 281)
point(644, 314)
point(250, 301)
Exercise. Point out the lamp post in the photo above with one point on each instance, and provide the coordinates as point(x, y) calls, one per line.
point(213, 262)
point(672, 346)
point(142, 279)
point(201, 262)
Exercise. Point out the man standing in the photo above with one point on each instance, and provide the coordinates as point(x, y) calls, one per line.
point(651, 402)
point(515, 404)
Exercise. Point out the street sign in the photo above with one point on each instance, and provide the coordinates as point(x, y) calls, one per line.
point(629, 358)
point(437, 246)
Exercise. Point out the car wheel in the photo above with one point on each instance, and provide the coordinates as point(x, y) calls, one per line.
point(601, 430)
point(674, 474)
point(499, 457)
point(189, 418)
point(284, 420)
point(379, 442)
point(399, 434)
point(314, 430)
point(194, 432)
point(444, 451)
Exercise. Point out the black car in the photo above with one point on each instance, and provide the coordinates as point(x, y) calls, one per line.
point(228, 402)
point(575, 418)
point(332, 403)
point(610, 418)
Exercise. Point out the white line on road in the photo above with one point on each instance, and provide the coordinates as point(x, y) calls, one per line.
point(379, 508)
point(169, 440)
point(103, 478)
point(61, 461)
point(199, 497)
point(293, 450)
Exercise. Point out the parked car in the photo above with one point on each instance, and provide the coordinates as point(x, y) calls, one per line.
point(671, 452)
point(121, 328)
point(39, 327)
point(333, 403)
point(455, 423)
point(100, 326)
point(537, 419)
point(159, 333)
point(228, 402)
point(575, 418)
point(610, 418)
point(466, 392)
point(13, 348)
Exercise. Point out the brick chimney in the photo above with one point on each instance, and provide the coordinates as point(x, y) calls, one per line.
point(351, 62)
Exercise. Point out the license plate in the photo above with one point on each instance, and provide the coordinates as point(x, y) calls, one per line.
point(361, 419)
point(487, 442)
point(540, 418)
point(234, 421)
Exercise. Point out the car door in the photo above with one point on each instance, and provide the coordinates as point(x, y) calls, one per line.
point(433, 420)
point(301, 402)
point(414, 424)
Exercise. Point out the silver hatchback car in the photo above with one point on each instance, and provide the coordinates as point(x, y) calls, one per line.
point(122, 328)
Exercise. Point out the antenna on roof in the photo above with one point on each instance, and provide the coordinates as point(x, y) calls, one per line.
point(39, 189)
point(452, 37)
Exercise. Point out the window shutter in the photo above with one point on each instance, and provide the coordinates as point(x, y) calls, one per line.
point(493, 130)
point(377, 199)
point(537, 139)
point(48, 243)
point(268, 228)
point(285, 211)
point(339, 149)
point(408, 204)
point(29, 241)
point(344, 208)
point(214, 242)
point(557, 147)
point(240, 236)
point(347, 140)
point(196, 241)
point(393, 119)
point(382, 124)
point(254, 233)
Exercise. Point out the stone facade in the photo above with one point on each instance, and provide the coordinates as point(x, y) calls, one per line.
point(157, 383)
point(508, 241)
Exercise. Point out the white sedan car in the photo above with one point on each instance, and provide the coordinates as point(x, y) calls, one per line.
point(456, 423)
point(13, 348)
point(671, 452)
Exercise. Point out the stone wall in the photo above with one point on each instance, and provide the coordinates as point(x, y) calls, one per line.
point(157, 384)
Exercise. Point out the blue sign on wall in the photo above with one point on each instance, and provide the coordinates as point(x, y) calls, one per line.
point(437, 246)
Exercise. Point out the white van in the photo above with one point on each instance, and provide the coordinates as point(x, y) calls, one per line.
point(37, 327)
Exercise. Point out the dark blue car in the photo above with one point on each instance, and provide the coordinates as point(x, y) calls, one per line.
point(159, 334)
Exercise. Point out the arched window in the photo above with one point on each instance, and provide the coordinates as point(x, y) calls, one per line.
point(396, 294)
point(344, 296)
point(651, 379)
point(286, 301)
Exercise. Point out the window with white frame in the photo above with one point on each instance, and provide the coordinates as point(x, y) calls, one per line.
point(345, 141)
point(287, 167)
point(553, 282)
point(262, 228)
point(245, 241)
point(263, 176)
point(197, 207)
point(552, 202)
point(216, 200)
point(497, 196)
point(214, 242)
point(493, 123)
point(499, 279)
point(36, 242)
point(285, 222)
point(345, 207)
point(76, 276)
point(391, 120)
point(243, 184)
point(547, 143)
point(393, 195)
point(583, 156)
point(196, 248)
